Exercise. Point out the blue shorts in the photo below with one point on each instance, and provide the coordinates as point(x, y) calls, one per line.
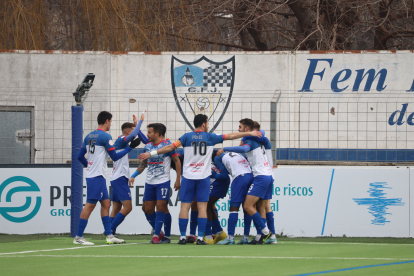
point(157, 191)
point(260, 186)
point(219, 188)
point(195, 188)
point(96, 189)
point(269, 191)
point(120, 190)
point(239, 187)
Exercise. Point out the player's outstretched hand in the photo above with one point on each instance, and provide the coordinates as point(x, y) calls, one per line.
point(135, 120)
point(143, 115)
point(219, 152)
point(135, 143)
point(177, 185)
point(144, 156)
point(131, 182)
point(256, 133)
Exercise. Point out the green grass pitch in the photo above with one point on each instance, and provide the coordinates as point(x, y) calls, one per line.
point(56, 255)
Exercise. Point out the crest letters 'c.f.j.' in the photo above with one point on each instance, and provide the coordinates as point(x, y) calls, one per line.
point(202, 86)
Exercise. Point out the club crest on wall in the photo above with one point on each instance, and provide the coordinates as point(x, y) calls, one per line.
point(202, 86)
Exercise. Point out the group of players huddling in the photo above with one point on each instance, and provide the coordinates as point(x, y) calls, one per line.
point(202, 178)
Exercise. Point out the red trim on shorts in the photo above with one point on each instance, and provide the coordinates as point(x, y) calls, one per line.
point(175, 154)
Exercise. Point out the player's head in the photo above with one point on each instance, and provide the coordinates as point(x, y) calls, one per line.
point(156, 131)
point(246, 125)
point(201, 121)
point(127, 128)
point(214, 155)
point(104, 120)
point(256, 126)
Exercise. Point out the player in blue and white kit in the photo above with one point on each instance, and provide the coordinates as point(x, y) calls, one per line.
point(98, 144)
point(157, 185)
point(256, 155)
point(219, 185)
point(121, 193)
point(198, 147)
point(240, 171)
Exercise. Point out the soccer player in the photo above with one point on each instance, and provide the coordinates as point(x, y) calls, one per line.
point(195, 184)
point(240, 170)
point(268, 214)
point(151, 214)
point(121, 193)
point(98, 144)
point(219, 185)
point(157, 186)
point(256, 155)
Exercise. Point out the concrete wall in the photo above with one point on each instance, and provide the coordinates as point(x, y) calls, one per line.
point(321, 104)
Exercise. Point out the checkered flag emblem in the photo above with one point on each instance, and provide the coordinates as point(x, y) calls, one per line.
point(217, 76)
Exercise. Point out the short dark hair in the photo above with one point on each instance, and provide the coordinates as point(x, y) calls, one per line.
point(103, 116)
point(256, 125)
point(199, 119)
point(214, 154)
point(127, 125)
point(247, 122)
point(158, 128)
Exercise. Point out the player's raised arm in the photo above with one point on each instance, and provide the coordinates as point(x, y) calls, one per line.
point(237, 135)
point(118, 155)
point(137, 128)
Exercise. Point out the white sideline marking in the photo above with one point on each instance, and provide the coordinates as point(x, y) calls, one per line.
point(352, 243)
point(68, 248)
point(215, 257)
point(95, 246)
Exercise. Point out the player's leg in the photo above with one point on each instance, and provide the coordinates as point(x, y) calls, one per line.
point(105, 205)
point(167, 225)
point(121, 193)
point(116, 207)
point(150, 197)
point(202, 192)
point(231, 224)
point(269, 214)
point(260, 207)
point(83, 221)
point(162, 192)
point(270, 222)
point(210, 212)
point(187, 196)
point(193, 222)
point(258, 191)
point(94, 188)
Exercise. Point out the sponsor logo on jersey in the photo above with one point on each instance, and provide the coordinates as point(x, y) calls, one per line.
point(202, 86)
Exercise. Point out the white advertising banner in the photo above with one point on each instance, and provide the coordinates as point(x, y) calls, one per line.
point(307, 201)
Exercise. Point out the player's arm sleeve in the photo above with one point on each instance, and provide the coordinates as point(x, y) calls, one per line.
point(81, 156)
point(217, 139)
point(134, 133)
point(115, 156)
point(173, 154)
point(224, 174)
point(262, 139)
point(240, 149)
point(143, 138)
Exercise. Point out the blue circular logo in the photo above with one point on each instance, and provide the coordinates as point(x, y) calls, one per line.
point(7, 212)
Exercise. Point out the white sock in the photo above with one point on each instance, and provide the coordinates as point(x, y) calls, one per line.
point(168, 237)
point(155, 236)
point(245, 237)
point(209, 237)
point(258, 237)
point(200, 238)
point(265, 230)
point(110, 236)
point(231, 237)
point(182, 237)
point(219, 233)
point(273, 237)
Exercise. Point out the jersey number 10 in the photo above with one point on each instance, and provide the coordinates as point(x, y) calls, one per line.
point(202, 147)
